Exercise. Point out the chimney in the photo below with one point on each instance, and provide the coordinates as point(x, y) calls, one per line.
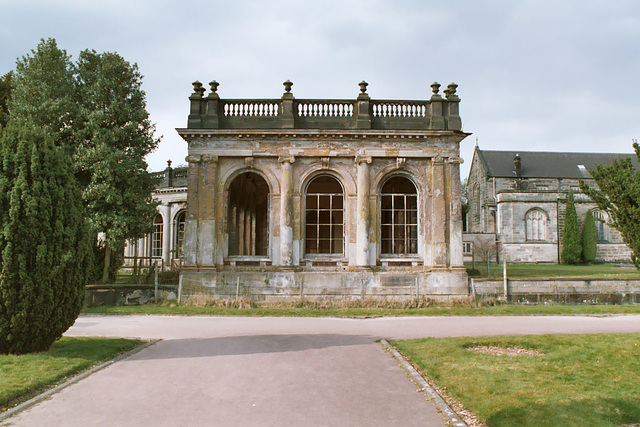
point(517, 162)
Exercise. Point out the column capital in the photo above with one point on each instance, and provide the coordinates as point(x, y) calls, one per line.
point(363, 159)
point(193, 159)
point(455, 160)
point(208, 158)
point(437, 160)
point(287, 159)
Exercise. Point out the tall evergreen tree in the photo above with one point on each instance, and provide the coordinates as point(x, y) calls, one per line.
point(116, 136)
point(589, 239)
point(5, 95)
point(571, 247)
point(619, 196)
point(44, 241)
point(43, 92)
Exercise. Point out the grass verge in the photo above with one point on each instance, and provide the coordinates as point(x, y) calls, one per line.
point(555, 271)
point(24, 376)
point(358, 308)
point(579, 380)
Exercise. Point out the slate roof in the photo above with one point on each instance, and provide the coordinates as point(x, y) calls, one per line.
point(542, 164)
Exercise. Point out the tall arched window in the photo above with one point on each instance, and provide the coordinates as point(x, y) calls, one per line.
point(602, 230)
point(247, 217)
point(536, 224)
point(399, 217)
point(180, 222)
point(156, 240)
point(324, 213)
point(476, 201)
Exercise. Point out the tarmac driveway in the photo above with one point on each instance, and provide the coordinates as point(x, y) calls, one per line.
point(241, 371)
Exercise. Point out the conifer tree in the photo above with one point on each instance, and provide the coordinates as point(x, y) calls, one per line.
point(44, 241)
point(618, 194)
point(5, 95)
point(571, 247)
point(589, 239)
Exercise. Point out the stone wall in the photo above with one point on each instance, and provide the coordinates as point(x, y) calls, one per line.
point(559, 291)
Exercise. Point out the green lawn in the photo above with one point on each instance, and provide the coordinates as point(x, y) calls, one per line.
point(23, 376)
point(593, 271)
point(506, 309)
point(582, 380)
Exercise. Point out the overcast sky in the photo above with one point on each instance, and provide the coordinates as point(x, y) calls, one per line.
point(533, 75)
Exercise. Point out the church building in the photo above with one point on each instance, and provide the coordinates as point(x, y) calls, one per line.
point(321, 197)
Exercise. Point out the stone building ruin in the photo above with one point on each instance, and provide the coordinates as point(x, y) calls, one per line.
point(319, 197)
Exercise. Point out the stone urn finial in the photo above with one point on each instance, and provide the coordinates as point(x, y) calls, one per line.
point(450, 91)
point(214, 86)
point(168, 164)
point(435, 88)
point(363, 86)
point(287, 86)
point(198, 90)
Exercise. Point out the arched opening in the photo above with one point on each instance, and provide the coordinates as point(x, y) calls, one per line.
point(247, 217)
point(180, 221)
point(156, 240)
point(398, 217)
point(324, 224)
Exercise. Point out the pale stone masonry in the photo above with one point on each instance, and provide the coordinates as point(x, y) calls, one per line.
point(320, 197)
point(518, 198)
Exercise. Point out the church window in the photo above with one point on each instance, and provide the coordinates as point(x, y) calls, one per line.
point(536, 225)
point(324, 213)
point(602, 230)
point(399, 217)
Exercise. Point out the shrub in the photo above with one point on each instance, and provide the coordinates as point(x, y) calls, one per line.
point(571, 247)
point(589, 239)
point(44, 242)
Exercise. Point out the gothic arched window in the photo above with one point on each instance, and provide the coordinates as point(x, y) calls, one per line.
point(536, 225)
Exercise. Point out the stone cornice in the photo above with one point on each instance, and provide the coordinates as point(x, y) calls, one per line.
point(350, 134)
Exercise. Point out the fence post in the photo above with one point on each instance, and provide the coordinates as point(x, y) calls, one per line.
point(155, 282)
point(504, 275)
point(180, 289)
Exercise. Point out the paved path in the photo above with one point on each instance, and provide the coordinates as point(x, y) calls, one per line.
point(240, 371)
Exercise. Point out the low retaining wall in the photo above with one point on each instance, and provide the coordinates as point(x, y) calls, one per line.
point(271, 284)
point(125, 294)
point(575, 291)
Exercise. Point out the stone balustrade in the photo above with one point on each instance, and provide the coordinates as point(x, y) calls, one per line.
point(212, 112)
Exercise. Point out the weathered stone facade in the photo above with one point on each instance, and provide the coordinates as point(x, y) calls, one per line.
point(164, 245)
point(520, 198)
point(323, 197)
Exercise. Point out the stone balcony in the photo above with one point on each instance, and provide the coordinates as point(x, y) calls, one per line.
point(212, 112)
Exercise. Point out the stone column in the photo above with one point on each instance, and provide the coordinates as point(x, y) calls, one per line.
point(363, 222)
point(286, 211)
point(455, 213)
point(438, 214)
point(166, 234)
point(206, 217)
point(191, 221)
point(199, 243)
